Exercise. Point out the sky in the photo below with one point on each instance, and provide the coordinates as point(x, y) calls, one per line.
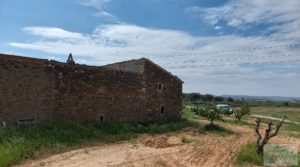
point(220, 47)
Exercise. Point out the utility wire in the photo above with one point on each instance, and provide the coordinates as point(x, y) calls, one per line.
point(237, 50)
point(230, 59)
point(233, 64)
point(240, 58)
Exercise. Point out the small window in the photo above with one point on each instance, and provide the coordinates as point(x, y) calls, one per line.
point(101, 119)
point(159, 86)
point(162, 109)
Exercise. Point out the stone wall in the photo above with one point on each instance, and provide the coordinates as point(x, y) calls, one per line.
point(25, 91)
point(89, 93)
point(163, 90)
point(130, 66)
point(163, 93)
point(59, 92)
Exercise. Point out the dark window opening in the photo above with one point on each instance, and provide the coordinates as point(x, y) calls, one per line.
point(159, 86)
point(162, 109)
point(101, 119)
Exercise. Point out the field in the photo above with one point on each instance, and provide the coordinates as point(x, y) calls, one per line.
point(292, 113)
point(189, 143)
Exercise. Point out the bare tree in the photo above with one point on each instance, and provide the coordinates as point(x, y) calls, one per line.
point(261, 142)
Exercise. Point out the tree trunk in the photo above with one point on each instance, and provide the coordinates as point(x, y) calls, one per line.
point(260, 149)
point(268, 135)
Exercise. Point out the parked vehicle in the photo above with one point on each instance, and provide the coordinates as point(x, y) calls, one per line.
point(226, 108)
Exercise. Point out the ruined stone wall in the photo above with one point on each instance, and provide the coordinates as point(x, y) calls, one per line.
point(59, 92)
point(25, 91)
point(169, 96)
point(130, 66)
point(98, 94)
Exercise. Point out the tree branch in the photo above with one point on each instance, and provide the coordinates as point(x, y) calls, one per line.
point(278, 127)
point(257, 131)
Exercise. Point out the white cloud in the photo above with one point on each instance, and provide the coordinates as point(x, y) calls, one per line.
point(94, 2)
point(234, 23)
point(283, 16)
point(99, 4)
point(217, 27)
point(52, 32)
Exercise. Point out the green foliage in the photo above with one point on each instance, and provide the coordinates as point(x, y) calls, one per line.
point(21, 143)
point(248, 154)
point(211, 112)
point(245, 110)
point(292, 113)
point(230, 99)
point(291, 127)
point(197, 96)
point(188, 114)
point(216, 129)
point(219, 98)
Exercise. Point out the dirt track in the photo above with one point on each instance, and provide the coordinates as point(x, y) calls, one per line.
point(161, 150)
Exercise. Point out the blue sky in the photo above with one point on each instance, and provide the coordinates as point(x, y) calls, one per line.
point(218, 47)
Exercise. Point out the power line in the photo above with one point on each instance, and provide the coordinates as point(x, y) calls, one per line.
point(228, 59)
point(243, 58)
point(238, 50)
point(234, 64)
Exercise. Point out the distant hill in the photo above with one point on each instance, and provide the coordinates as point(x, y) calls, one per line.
point(263, 98)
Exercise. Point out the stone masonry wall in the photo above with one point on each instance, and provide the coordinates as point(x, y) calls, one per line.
point(169, 96)
point(59, 92)
point(25, 91)
point(89, 93)
point(130, 66)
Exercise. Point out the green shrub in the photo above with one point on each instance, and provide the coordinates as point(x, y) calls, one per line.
point(247, 154)
point(216, 129)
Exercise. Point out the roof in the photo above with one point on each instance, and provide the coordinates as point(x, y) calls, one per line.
point(148, 61)
point(22, 58)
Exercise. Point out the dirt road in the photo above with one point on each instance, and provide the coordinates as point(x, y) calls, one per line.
point(198, 149)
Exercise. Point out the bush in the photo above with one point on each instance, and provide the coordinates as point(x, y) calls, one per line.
point(217, 129)
point(248, 154)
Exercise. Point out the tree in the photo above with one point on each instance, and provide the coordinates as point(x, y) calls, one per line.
point(208, 97)
point(230, 99)
point(219, 98)
point(211, 112)
point(195, 96)
point(261, 142)
point(245, 110)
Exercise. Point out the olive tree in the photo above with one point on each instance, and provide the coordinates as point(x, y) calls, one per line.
point(245, 110)
point(211, 112)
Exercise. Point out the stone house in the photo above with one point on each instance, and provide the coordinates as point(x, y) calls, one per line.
point(130, 91)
